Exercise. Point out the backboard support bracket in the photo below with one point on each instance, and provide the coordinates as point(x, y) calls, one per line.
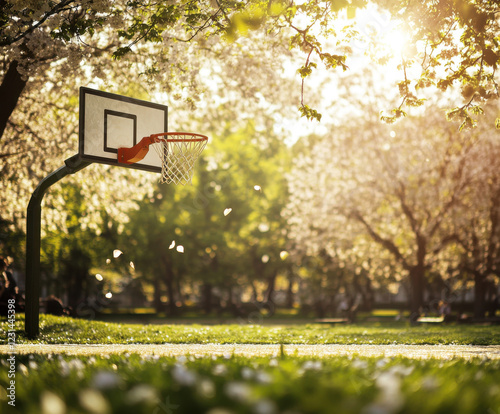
point(33, 231)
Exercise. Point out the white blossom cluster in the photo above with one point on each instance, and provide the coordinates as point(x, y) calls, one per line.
point(420, 181)
point(206, 82)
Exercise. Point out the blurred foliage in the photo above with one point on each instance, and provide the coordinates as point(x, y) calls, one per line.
point(69, 253)
point(224, 223)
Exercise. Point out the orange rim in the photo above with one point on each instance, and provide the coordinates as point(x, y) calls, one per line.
point(138, 152)
point(196, 137)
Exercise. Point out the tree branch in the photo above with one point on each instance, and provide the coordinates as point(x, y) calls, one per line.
point(35, 25)
point(386, 243)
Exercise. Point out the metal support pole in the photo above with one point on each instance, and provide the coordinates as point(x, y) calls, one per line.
point(33, 226)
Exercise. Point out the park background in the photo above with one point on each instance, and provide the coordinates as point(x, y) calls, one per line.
point(316, 214)
point(351, 173)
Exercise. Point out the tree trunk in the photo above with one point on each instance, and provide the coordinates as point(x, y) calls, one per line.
point(76, 273)
point(479, 296)
point(157, 295)
point(206, 298)
point(369, 296)
point(289, 293)
point(169, 280)
point(270, 287)
point(417, 279)
point(255, 294)
point(178, 291)
point(10, 90)
point(169, 283)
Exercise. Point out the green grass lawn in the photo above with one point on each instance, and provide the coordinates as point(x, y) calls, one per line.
point(239, 385)
point(61, 330)
point(124, 383)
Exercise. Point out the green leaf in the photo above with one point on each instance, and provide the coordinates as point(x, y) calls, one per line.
point(309, 113)
point(477, 110)
point(306, 70)
point(332, 61)
point(120, 52)
point(468, 123)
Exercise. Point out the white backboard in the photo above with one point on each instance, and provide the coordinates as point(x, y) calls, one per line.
point(109, 122)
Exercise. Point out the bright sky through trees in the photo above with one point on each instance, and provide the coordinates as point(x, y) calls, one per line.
point(379, 45)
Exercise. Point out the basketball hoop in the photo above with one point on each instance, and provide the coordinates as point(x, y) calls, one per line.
point(178, 152)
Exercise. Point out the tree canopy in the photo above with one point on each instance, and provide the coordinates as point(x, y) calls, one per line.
point(456, 42)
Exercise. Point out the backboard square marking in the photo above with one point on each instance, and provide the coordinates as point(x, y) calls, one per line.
point(119, 128)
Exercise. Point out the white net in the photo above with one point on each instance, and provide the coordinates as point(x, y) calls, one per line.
point(178, 154)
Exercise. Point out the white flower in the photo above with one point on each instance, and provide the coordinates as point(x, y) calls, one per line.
point(105, 380)
point(390, 398)
point(227, 211)
point(183, 376)
point(401, 370)
point(264, 407)
point(51, 403)
point(93, 401)
point(219, 370)
point(65, 369)
point(141, 393)
point(273, 362)
point(247, 373)
point(263, 377)
point(312, 365)
point(206, 388)
point(181, 359)
point(359, 364)
point(76, 364)
point(237, 391)
point(382, 363)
